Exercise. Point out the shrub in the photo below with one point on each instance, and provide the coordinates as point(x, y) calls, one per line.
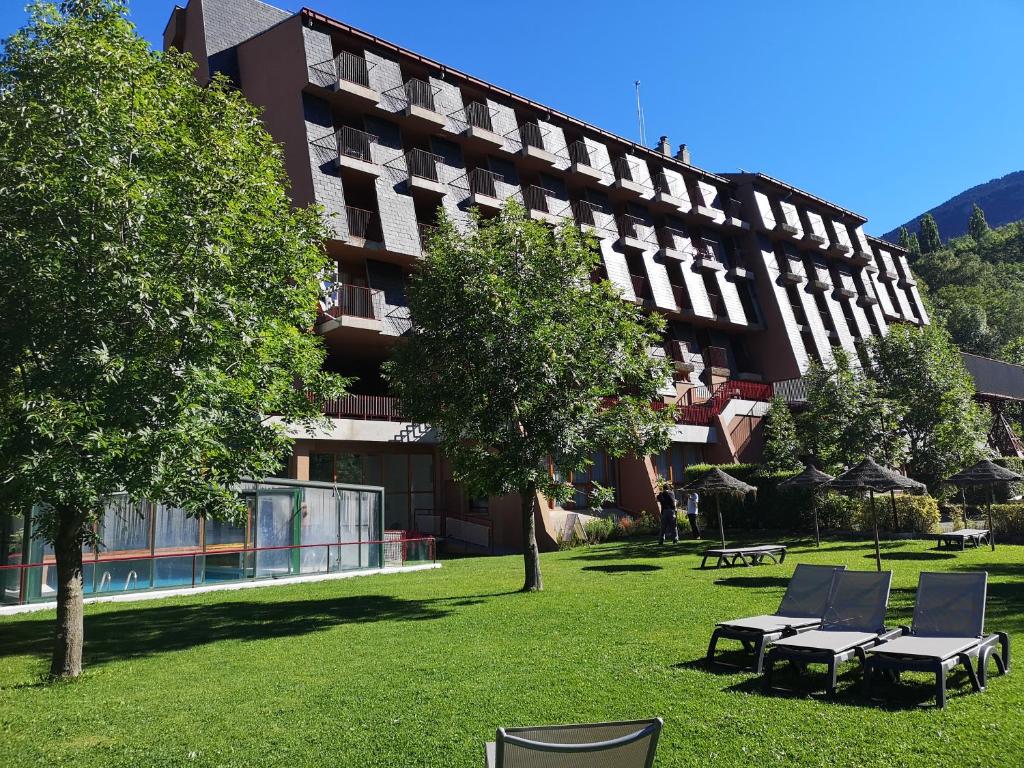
point(835, 512)
point(598, 530)
point(917, 514)
point(646, 524)
point(1008, 520)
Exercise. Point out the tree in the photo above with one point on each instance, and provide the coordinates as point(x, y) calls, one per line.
point(157, 289)
point(913, 247)
point(921, 370)
point(929, 238)
point(977, 227)
point(968, 326)
point(904, 239)
point(524, 364)
point(781, 446)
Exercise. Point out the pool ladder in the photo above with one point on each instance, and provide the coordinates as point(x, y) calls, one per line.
point(105, 580)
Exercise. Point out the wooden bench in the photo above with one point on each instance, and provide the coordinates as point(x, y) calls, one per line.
point(752, 555)
point(962, 537)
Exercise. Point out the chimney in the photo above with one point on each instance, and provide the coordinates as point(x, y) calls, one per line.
point(683, 154)
point(663, 146)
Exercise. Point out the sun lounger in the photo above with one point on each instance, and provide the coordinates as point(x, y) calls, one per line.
point(597, 745)
point(948, 629)
point(752, 555)
point(852, 622)
point(800, 610)
point(962, 537)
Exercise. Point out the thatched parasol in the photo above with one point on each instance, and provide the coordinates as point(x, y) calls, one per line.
point(716, 483)
point(811, 479)
point(871, 477)
point(986, 474)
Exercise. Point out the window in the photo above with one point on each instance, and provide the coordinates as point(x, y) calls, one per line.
point(671, 463)
point(602, 471)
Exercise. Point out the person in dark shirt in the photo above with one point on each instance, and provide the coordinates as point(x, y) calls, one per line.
point(667, 503)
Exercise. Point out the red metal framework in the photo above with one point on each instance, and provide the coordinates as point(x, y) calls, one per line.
point(376, 407)
point(704, 414)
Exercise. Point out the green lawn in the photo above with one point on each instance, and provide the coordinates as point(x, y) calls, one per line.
point(419, 669)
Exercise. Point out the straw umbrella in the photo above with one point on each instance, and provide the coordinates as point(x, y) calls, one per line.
point(871, 477)
point(716, 483)
point(987, 474)
point(811, 478)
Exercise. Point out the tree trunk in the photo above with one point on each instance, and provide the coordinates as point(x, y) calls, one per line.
point(69, 632)
point(531, 555)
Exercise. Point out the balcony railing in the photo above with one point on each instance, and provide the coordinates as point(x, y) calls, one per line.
point(790, 390)
point(588, 214)
point(717, 305)
point(706, 249)
point(624, 171)
point(799, 314)
point(352, 68)
point(681, 298)
point(674, 239)
point(423, 164)
point(479, 115)
point(640, 287)
point(376, 407)
point(734, 208)
point(363, 223)
point(355, 143)
point(351, 301)
point(419, 94)
point(484, 182)
point(636, 228)
point(579, 153)
point(531, 135)
point(703, 414)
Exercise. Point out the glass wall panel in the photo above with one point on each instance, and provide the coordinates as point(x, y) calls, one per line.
point(224, 534)
point(349, 468)
point(319, 526)
point(12, 552)
point(122, 575)
point(173, 530)
point(274, 521)
point(321, 467)
point(371, 529)
point(125, 526)
point(350, 529)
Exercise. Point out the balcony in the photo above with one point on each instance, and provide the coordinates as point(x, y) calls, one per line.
point(682, 357)
point(707, 258)
point(862, 257)
point(375, 407)
point(663, 197)
point(625, 182)
point(675, 244)
point(423, 174)
point(786, 230)
point(636, 233)
point(487, 190)
point(580, 162)
point(790, 273)
point(641, 289)
point(715, 357)
point(866, 301)
point(842, 250)
point(815, 239)
point(420, 107)
point(479, 128)
point(542, 205)
point(533, 152)
point(717, 307)
point(734, 215)
point(350, 309)
point(706, 214)
point(682, 298)
point(352, 78)
point(799, 317)
point(364, 226)
point(592, 218)
point(354, 154)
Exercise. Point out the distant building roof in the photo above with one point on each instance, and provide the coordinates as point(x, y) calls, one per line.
point(995, 378)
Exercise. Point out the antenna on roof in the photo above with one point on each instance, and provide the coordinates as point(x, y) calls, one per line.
point(640, 115)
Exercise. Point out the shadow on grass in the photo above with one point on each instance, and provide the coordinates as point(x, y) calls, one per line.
point(929, 555)
point(645, 550)
point(753, 582)
point(727, 662)
point(145, 631)
point(622, 568)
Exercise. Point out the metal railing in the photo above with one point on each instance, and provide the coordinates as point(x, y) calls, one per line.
point(426, 232)
point(715, 357)
point(484, 182)
point(733, 208)
point(375, 407)
point(636, 228)
point(640, 287)
point(351, 301)
point(681, 297)
point(799, 315)
point(423, 164)
point(587, 213)
point(703, 414)
point(623, 170)
point(535, 198)
point(419, 93)
point(790, 390)
point(355, 143)
point(679, 351)
point(352, 68)
point(706, 249)
point(479, 115)
point(363, 223)
point(662, 185)
point(531, 135)
point(156, 571)
point(674, 239)
point(579, 153)
point(717, 305)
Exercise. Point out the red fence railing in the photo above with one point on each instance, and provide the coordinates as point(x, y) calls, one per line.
point(703, 414)
point(377, 407)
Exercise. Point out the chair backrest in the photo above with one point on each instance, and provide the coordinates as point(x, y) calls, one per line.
point(808, 591)
point(950, 604)
point(858, 601)
point(593, 745)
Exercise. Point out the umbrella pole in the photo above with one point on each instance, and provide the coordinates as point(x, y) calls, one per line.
point(814, 507)
point(878, 546)
point(721, 527)
point(895, 519)
point(991, 529)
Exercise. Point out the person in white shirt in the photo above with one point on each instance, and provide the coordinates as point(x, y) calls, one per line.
point(692, 510)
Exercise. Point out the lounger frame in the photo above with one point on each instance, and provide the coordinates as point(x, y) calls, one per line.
point(754, 555)
point(639, 730)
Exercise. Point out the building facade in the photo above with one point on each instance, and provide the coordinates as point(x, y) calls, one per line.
point(755, 278)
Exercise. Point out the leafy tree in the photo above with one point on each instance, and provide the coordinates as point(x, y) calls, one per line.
point(921, 370)
point(929, 238)
point(913, 246)
point(781, 447)
point(968, 326)
point(519, 359)
point(977, 227)
point(156, 287)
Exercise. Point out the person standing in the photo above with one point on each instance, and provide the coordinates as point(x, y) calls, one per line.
point(692, 510)
point(667, 503)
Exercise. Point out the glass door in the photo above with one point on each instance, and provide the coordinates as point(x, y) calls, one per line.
point(274, 527)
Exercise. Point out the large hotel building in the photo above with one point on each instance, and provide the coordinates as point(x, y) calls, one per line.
point(755, 277)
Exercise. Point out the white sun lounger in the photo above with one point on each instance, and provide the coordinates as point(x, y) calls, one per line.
point(752, 555)
point(593, 745)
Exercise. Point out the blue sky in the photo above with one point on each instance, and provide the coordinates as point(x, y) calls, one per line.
point(887, 108)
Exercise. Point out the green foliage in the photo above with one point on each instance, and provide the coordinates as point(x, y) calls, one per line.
point(599, 496)
point(914, 514)
point(157, 288)
point(920, 371)
point(599, 529)
point(930, 239)
point(516, 356)
point(781, 446)
point(1008, 521)
point(977, 227)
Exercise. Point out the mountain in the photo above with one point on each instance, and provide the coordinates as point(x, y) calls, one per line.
point(1002, 200)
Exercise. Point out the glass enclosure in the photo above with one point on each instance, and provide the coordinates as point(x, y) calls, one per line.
point(289, 528)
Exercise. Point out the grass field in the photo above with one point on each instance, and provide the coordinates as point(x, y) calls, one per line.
point(419, 669)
